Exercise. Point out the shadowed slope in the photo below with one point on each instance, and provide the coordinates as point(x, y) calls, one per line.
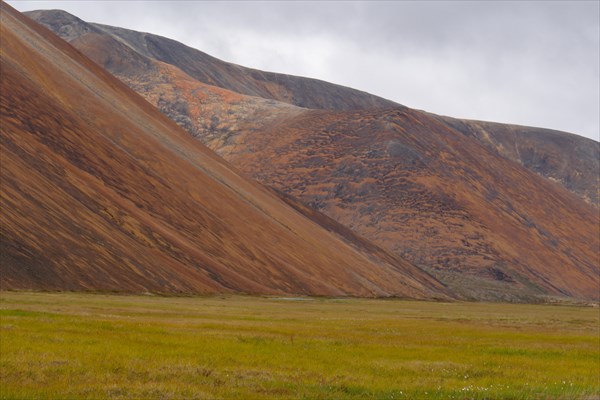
point(102, 192)
point(570, 160)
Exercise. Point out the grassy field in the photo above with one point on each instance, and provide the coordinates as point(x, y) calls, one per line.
point(67, 345)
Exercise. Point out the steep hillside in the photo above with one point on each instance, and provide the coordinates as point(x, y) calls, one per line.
point(483, 224)
point(570, 160)
point(449, 195)
point(100, 191)
point(171, 75)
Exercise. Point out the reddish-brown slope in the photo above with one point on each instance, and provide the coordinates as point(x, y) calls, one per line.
point(570, 160)
point(487, 226)
point(208, 112)
point(454, 210)
point(100, 191)
point(141, 59)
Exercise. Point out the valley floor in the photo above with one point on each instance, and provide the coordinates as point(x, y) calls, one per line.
point(68, 345)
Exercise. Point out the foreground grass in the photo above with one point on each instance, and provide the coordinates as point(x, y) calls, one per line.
point(107, 346)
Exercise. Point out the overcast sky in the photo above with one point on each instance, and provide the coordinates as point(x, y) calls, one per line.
point(531, 63)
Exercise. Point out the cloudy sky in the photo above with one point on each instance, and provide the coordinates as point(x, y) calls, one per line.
point(532, 63)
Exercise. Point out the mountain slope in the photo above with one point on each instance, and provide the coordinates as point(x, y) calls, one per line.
point(428, 188)
point(567, 159)
point(434, 196)
point(100, 191)
point(570, 160)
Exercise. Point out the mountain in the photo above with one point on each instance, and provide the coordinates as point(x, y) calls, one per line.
point(100, 191)
point(484, 225)
point(449, 195)
point(567, 159)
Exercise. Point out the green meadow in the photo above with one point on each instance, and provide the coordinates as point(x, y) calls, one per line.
point(95, 346)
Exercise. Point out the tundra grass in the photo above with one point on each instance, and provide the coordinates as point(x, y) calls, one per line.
point(66, 345)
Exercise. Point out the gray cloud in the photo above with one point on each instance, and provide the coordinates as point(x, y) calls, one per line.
point(532, 63)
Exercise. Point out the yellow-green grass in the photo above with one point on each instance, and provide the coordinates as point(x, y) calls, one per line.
point(68, 345)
